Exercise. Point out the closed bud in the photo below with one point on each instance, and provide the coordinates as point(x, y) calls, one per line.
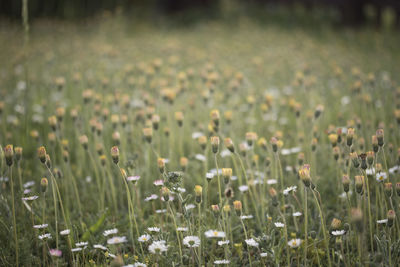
point(359, 183)
point(116, 137)
point(103, 160)
point(237, 205)
point(179, 118)
point(198, 190)
point(57, 173)
point(354, 159)
point(391, 216)
point(214, 114)
point(346, 183)
point(274, 144)
point(388, 187)
point(161, 164)
point(148, 134)
point(336, 152)
point(229, 144)
point(18, 153)
point(155, 120)
point(53, 122)
point(304, 174)
point(318, 111)
point(9, 154)
point(215, 144)
point(375, 146)
point(48, 161)
point(215, 209)
point(333, 138)
point(44, 184)
point(349, 137)
point(65, 154)
point(183, 162)
point(380, 135)
point(227, 174)
point(165, 193)
point(84, 141)
point(363, 158)
point(370, 157)
point(202, 141)
point(251, 137)
point(115, 154)
point(227, 209)
point(314, 144)
point(262, 142)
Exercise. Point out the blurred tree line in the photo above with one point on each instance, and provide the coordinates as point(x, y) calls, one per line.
point(351, 12)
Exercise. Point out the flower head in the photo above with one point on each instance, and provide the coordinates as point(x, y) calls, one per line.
point(144, 238)
point(214, 234)
point(158, 247)
point(191, 241)
point(117, 240)
point(294, 243)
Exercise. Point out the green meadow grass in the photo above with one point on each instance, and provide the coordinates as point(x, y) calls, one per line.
point(93, 107)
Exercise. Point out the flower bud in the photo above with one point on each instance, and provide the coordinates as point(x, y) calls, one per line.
point(165, 193)
point(370, 157)
point(229, 144)
point(380, 135)
point(161, 164)
point(304, 174)
point(346, 183)
point(116, 137)
point(237, 205)
point(391, 216)
point(314, 144)
point(398, 189)
point(179, 118)
point(227, 174)
point(148, 134)
point(48, 161)
point(183, 162)
point(336, 152)
point(215, 144)
point(9, 154)
point(359, 182)
point(349, 137)
point(363, 158)
point(333, 138)
point(18, 153)
point(115, 154)
point(388, 187)
point(53, 122)
point(262, 142)
point(274, 144)
point(84, 141)
point(214, 114)
point(227, 209)
point(198, 190)
point(318, 111)
point(335, 224)
point(155, 120)
point(43, 184)
point(375, 146)
point(251, 137)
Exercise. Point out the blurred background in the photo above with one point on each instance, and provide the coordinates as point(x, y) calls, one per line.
point(376, 13)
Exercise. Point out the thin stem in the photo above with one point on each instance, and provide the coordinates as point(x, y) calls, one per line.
point(13, 213)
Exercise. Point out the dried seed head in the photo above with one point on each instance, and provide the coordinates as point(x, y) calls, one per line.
point(43, 184)
point(335, 224)
point(359, 183)
point(84, 141)
point(9, 154)
point(161, 164)
point(215, 144)
point(115, 154)
point(346, 183)
point(391, 216)
point(148, 134)
point(42, 154)
point(229, 144)
point(227, 174)
point(305, 175)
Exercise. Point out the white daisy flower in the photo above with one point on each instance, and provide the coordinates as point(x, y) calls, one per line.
point(251, 242)
point(214, 233)
point(221, 262)
point(152, 197)
point(136, 264)
point(394, 169)
point(200, 157)
point(111, 255)
point(181, 190)
point(381, 176)
point(209, 175)
point(81, 244)
point(289, 189)
point(297, 214)
point(45, 236)
point(76, 249)
point(246, 217)
point(29, 184)
point(158, 247)
point(133, 178)
point(182, 229)
point(272, 181)
point(196, 135)
point(223, 242)
point(234, 178)
point(294, 243)
point(158, 182)
point(383, 221)
point(40, 226)
point(31, 198)
point(161, 211)
point(190, 206)
point(279, 225)
point(88, 179)
point(27, 191)
point(110, 232)
point(144, 238)
point(370, 171)
point(338, 232)
point(154, 229)
point(243, 188)
point(225, 153)
point(117, 240)
point(99, 246)
point(263, 254)
point(191, 241)
point(65, 232)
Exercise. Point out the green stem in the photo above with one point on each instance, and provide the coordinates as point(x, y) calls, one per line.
point(14, 220)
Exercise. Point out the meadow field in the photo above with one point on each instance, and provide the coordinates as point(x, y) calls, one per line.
point(237, 144)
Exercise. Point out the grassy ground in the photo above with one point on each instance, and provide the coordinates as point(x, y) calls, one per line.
point(287, 97)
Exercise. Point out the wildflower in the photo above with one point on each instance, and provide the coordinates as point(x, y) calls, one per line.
point(279, 225)
point(182, 229)
point(388, 187)
point(383, 221)
point(289, 189)
point(200, 157)
point(76, 249)
point(359, 182)
point(304, 174)
point(45, 236)
point(263, 254)
point(229, 144)
point(294, 243)
point(214, 233)
point(65, 232)
point(246, 217)
point(243, 188)
point(31, 198)
point(338, 232)
point(379, 136)
point(223, 242)
point(133, 178)
point(55, 252)
point(151, 197)
point(81, 244)
point(99, 246)
point(161, 211)
point(40, 226)
point(117, 240)
point(297, 214)
point(148, 134)
point(158, 182)
point(226, 174)
point(391, 216)
point(381, 176)
point(191, 241)
point(272, 181)
point(115, 154)
point(144, 238)
point(154, 229)
point(110, 232)
point(251, 242)
point(158, 247)
point(356, 218)
point(215, 144)
point(221, 262)
point(29, 184)
point(161, 164)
